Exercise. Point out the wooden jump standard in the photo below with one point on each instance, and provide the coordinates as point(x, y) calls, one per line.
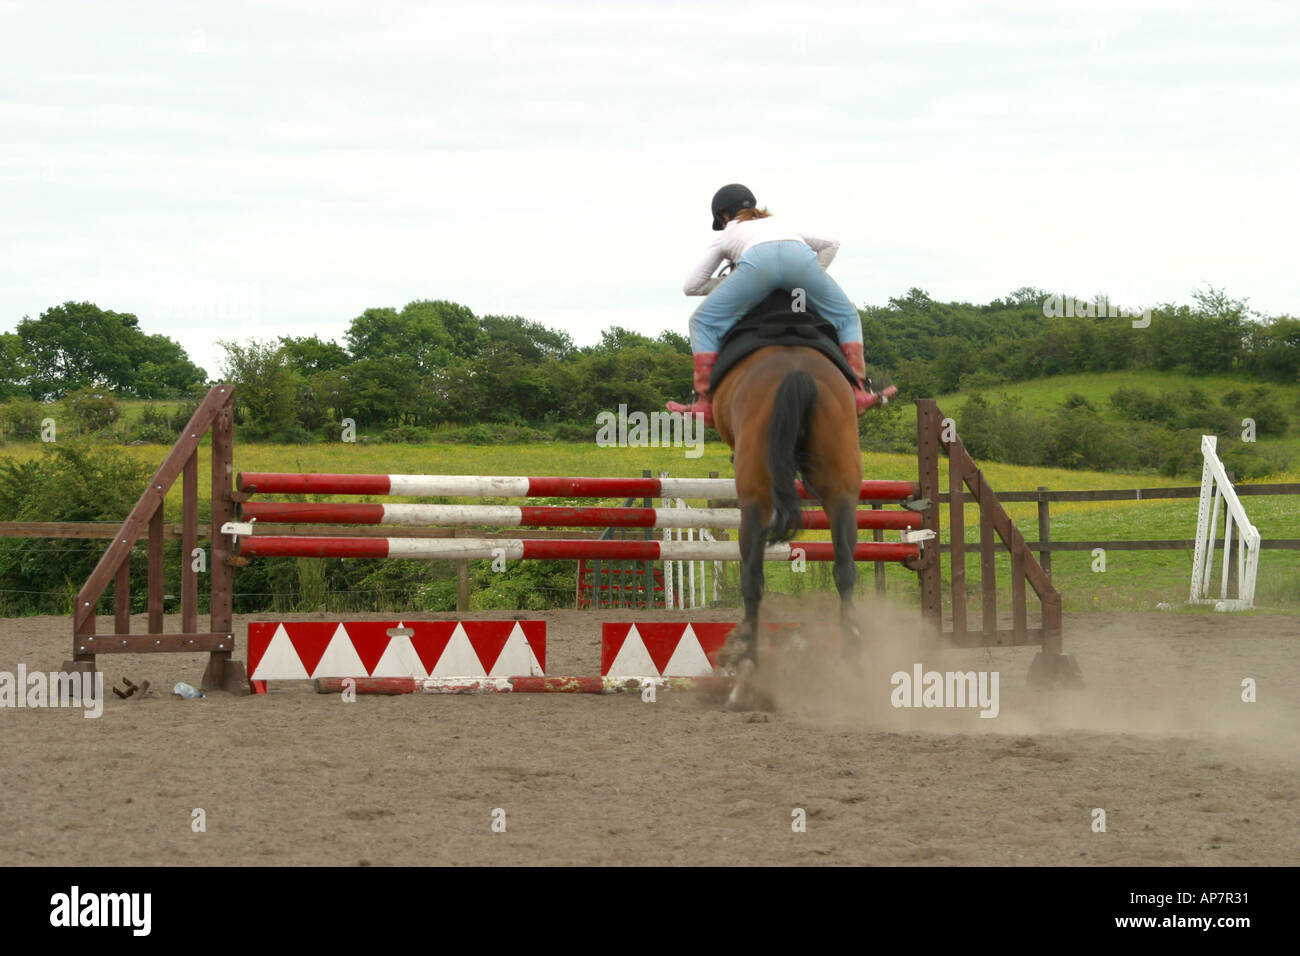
point(213, 415)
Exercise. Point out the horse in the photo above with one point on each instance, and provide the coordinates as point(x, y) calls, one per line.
point(788, 410)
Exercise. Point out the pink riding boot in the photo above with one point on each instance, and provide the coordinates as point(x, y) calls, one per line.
point(861, 397)
point(703, 404)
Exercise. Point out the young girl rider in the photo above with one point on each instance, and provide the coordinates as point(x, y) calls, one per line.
point(766, 255)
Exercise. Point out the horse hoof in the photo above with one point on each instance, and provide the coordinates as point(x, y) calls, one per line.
point(750, 699)
point(745, 692)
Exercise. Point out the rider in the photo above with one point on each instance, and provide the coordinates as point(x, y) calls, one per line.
point(766, 255)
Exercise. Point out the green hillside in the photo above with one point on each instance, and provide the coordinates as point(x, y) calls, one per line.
point(1042, 395)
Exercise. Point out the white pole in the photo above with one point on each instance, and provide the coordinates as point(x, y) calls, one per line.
point(1202, 521)
point(1227, 552)
point(668, 574)
point(690, 536)
point(1210, 541)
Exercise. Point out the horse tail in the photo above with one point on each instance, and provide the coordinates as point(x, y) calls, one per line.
point(787, 450)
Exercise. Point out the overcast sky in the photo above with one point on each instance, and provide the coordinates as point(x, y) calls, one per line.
point(238, 170)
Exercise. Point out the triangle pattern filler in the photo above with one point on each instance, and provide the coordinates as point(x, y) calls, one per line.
point(310, 638)
point(399, 659)
point(280, 661)
point(661, 640)
point(371, 639)
point(516, 658)
point(689, 659)
point(489, 639)
point(340, 658)
point(632, 659)
point(459, 659)
point(430, 640)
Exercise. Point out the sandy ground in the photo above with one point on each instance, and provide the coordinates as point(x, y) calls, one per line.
point(1159, 738)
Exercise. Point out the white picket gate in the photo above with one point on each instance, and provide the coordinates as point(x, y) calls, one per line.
point(686, 582)
point(1216, 488)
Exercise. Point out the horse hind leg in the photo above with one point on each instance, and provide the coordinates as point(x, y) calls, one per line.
point(741, 650)
point(742, 642)
point(844, 535)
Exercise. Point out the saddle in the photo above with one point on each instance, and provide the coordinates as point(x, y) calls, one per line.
point(774, 322)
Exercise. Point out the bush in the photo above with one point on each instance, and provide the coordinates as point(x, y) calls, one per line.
point(94, 410)
point(1248, 462)
point(1078, 437)
point(70, 482)
point(493, 435)
point(524, 585)
point(297, 435)
point(1259, 404)
point(1177, 410)
point(1004, 432)
point(887, 430)
point(154, 425)
point(153, 415)
point(20, 418)
point(571, 431)
point(423, 585)
point(180, 416)
point(979, 381)
point(153, 434)
point(1137, 404)
point(1172, 453)
point(408, 434)
point(287, 434)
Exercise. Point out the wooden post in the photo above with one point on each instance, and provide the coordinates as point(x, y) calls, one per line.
point(928, 426)
point(957, 544)
point(1051, 624)
point(222, 672)
point(156, 570)
point(189, 541)
point(1019, 606)
point(122, 598)
point(1044, 531)
point(462, 585)
point(988, 572)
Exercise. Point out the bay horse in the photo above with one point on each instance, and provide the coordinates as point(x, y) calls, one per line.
point(787, 411)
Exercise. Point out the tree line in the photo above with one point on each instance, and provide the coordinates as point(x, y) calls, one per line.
point(402, 373)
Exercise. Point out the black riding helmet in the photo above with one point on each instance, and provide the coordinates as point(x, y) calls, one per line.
point(731, 199)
